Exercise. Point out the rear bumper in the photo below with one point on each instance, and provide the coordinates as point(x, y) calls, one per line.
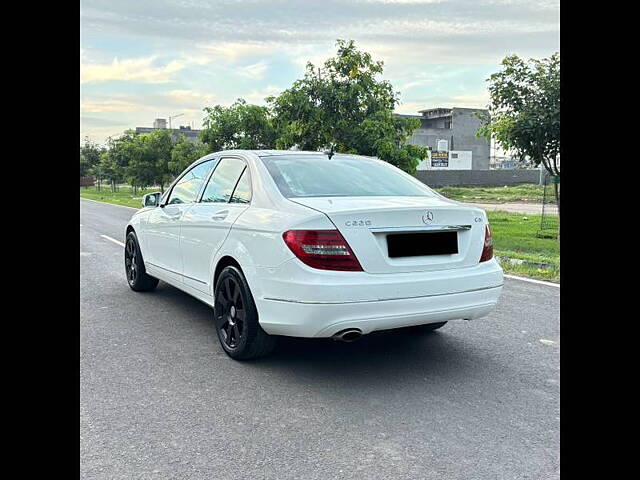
point(293, 281)
point(298, 319)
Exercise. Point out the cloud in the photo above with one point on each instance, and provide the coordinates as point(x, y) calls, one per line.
point(99, 114)
point(313, 22)
point(255, 71)
point(100, 122)
point(409, 85)
point(133, 70)
point(478, 99)
point(174, 57)
point(257, 97)
point(189, 99)
point(172, 100)
point(231, 51)
point(107, 106)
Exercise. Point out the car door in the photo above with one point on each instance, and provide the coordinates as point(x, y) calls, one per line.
point(162, 232)
point(206, 224)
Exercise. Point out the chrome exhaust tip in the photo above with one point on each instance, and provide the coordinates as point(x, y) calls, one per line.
point(348, 335)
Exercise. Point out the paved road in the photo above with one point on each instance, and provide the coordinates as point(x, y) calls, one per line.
point(160, 399)
point(530, 208)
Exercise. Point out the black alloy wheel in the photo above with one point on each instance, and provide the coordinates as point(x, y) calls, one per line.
point(230, 312)
point(137, 277)
point(236, 318)
point(130, 252)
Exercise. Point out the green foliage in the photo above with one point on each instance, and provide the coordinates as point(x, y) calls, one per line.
point(184, 153)
point(125, 195)
point(525, 109)
point(515, 236)
point(346, 105)
point(143, 167)
point(240, 126)
point(84, 166)
point(90, 152)
point(90, 158)
point(157, 146)
point(119, 150)
point(528, 193)
point(109, 170)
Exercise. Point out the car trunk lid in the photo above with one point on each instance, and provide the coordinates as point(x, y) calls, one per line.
point(405, 234)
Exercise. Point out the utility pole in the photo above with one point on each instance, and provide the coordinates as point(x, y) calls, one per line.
point(175, 116)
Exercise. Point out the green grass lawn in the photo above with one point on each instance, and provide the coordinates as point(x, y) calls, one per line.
point(508, 194)
point(124, 195)
point(514, 234)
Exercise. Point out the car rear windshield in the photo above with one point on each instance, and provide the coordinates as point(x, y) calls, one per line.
point(340, 176)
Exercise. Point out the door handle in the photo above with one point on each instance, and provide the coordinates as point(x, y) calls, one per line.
point(221, 215)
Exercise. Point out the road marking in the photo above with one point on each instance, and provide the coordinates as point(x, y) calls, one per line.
point(81, 225)
point(107, 203)
point(531, 280)
point(117, 242)
point(547, 342)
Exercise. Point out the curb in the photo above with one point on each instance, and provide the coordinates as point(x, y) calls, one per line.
point(532, 280)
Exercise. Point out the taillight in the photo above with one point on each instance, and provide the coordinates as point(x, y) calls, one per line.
point(323, 249)
point(487, 250)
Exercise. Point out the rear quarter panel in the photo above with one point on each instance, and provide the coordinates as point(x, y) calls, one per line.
point(255, 239)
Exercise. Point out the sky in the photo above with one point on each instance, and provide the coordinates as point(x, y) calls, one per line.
point(147, 59)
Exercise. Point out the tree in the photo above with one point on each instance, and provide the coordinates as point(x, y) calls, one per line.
point(84, 166)
point(142, 168)
point(109, 169)
point(240, 126)
point(90, 158)
point(97, 172)
point(119, 152)
point(158, 146)
point(184, 153)
point(525, 111)
point(347, 106)
point(90, 153)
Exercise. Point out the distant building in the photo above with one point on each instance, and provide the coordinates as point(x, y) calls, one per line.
point(161, 124)
point(452, 130)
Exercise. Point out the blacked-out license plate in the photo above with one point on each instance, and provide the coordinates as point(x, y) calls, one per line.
point(423, 243)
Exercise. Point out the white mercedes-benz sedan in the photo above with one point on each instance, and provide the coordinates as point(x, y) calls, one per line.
point(306, 244)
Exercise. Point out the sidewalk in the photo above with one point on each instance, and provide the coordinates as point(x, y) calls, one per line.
point(530, 208)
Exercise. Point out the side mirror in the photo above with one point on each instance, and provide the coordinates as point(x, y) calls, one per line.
point(151, 199)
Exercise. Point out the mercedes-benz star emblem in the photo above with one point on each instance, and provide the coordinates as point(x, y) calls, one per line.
point(427, 217)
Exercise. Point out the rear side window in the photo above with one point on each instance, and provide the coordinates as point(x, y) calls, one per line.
point(242, 193)
point(223, 181)
point(187, 188)
point(340, 176)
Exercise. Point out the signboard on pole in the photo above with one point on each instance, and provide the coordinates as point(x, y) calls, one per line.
point(440, 159)
point(443, 160)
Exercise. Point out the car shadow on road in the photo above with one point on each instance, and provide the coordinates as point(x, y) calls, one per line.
point(388, 356)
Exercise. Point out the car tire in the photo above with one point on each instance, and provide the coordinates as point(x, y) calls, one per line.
point(236, 318)
point(137, 277)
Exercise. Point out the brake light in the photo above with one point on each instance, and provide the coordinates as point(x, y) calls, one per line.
point(487, 250)
point(323, 249)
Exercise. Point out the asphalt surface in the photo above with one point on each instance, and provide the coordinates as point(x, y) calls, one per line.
point(160, 399)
